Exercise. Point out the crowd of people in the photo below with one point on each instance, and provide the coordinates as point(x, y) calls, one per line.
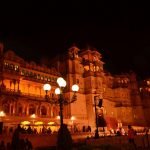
point(16, 143)
point(30, 130)
point(25, 144)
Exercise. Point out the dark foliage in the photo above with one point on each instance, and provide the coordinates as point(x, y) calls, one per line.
point(101, 121)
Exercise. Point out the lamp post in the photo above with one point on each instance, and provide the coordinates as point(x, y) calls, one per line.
point(59, 91)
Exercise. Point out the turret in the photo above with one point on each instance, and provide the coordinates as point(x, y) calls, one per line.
point(73, 52)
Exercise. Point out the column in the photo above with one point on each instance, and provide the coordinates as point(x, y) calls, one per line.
point(10, 84)
point(14, 108)
point(23, 110)
point(48, 111)
point(27, 110)
point(10, 109)
point(36, 111)
point(18, 85)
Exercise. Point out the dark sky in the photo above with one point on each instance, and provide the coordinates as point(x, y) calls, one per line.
point(119, 30)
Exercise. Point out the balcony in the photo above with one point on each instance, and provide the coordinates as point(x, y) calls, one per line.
point(18, 93)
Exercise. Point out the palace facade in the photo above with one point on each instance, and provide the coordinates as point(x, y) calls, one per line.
point(22, 98)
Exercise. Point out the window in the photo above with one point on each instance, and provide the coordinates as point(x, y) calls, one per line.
point(22, 72)
point(38, 76)
point(11, 66)
point(16, 68)
point(45, 78)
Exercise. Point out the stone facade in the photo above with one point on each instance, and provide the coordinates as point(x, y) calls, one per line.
point(22, 94)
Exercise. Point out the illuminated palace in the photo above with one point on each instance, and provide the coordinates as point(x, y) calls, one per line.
point(22, 94)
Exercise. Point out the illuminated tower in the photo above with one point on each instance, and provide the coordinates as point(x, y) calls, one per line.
point(93, 80)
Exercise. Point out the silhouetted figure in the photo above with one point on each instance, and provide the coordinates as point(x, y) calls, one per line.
point(35, 131)
point(19, 128)
point(89, 128)
point(118, 133)
point(10, 130)
point(28, 145)
point(147, 140)
point(49, 131)
point(29, 130)
point(43, 130)
point(15, 139)
point(131, 135)
point(101, 121)
point(83, 128)
point(22, 145)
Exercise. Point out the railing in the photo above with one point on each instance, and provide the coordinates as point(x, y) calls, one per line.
point(13, 92)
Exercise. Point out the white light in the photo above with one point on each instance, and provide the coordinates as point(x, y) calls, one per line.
point(57, 91)
point(2, 114)
point(33, 116)
point(47, 87)
point(61, 82)
point(72, 118)
point(58, 117)
point(75, 88)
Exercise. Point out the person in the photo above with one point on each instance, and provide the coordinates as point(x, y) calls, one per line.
point(83, 129)
point(131, 135)
point(28, 144)
point(29, 130)
point(15, 139)
point(2, 145)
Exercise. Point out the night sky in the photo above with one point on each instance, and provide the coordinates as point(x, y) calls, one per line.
point(119, 30)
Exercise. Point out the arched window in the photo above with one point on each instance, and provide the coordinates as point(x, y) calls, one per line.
point(43, 111)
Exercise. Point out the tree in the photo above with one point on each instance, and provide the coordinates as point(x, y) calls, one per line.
point(101, 122)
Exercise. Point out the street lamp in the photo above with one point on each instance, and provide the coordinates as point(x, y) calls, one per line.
point(46, 88)
point(2, 114)
point(59, 91)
